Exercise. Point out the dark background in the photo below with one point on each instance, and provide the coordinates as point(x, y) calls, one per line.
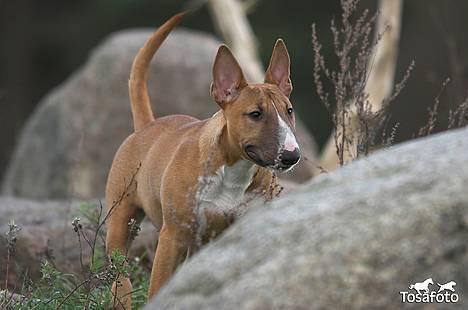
point(43, 42)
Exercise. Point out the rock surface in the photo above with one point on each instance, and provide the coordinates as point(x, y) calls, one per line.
point(352, 239)
point(68, 144)
point(47, 232)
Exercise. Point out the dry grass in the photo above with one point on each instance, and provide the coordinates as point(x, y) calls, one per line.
point(92, 287)
point(358, 126)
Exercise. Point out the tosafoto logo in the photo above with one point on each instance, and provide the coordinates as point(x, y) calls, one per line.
point(421, 292)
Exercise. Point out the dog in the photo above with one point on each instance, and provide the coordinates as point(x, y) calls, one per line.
point(447, 286)
point(191, 177)
point(422, 286)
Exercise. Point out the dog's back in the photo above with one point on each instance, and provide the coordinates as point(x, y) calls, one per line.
point(134, 152)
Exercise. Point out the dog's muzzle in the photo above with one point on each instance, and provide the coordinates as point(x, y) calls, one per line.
point(290, 158)
point(284, 161)
point(251, 152)
point(287, 159)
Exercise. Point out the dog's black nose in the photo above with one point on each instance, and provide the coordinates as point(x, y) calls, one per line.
point(289, 158)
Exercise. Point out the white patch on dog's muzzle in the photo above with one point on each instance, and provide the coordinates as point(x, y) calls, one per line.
point(287, 140)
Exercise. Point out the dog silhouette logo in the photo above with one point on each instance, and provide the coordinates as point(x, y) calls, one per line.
point(422, 286)
point(421, 292)
point(447, 286)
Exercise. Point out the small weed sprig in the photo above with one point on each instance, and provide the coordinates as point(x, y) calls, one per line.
point(459, 117)
point(11, 238)
point(433, 113)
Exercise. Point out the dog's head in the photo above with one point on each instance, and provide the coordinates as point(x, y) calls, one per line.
point(259, 117)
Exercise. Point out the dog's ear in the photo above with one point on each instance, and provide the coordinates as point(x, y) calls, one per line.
point(278, 71)
point(228, 79)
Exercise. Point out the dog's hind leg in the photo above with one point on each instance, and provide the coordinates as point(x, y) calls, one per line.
point(118, 239)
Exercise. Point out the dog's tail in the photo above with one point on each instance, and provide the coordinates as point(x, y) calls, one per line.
point(139, 98)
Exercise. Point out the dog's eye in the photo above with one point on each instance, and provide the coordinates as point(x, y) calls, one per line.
point(290, 111)
point(255, 114)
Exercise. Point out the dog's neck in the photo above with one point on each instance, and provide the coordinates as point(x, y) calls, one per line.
point(216, 148)
point(226, 175)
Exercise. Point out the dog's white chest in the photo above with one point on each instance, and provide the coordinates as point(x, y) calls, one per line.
point(224, 191)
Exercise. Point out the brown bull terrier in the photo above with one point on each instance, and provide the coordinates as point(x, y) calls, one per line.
point(195, 175)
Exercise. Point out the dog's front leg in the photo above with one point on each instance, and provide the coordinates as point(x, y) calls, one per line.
point(172, 249)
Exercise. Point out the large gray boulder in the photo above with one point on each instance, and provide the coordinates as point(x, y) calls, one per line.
point(352, 239)
point(68, 144)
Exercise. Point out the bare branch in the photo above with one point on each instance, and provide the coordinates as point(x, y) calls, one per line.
point(231, 20)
